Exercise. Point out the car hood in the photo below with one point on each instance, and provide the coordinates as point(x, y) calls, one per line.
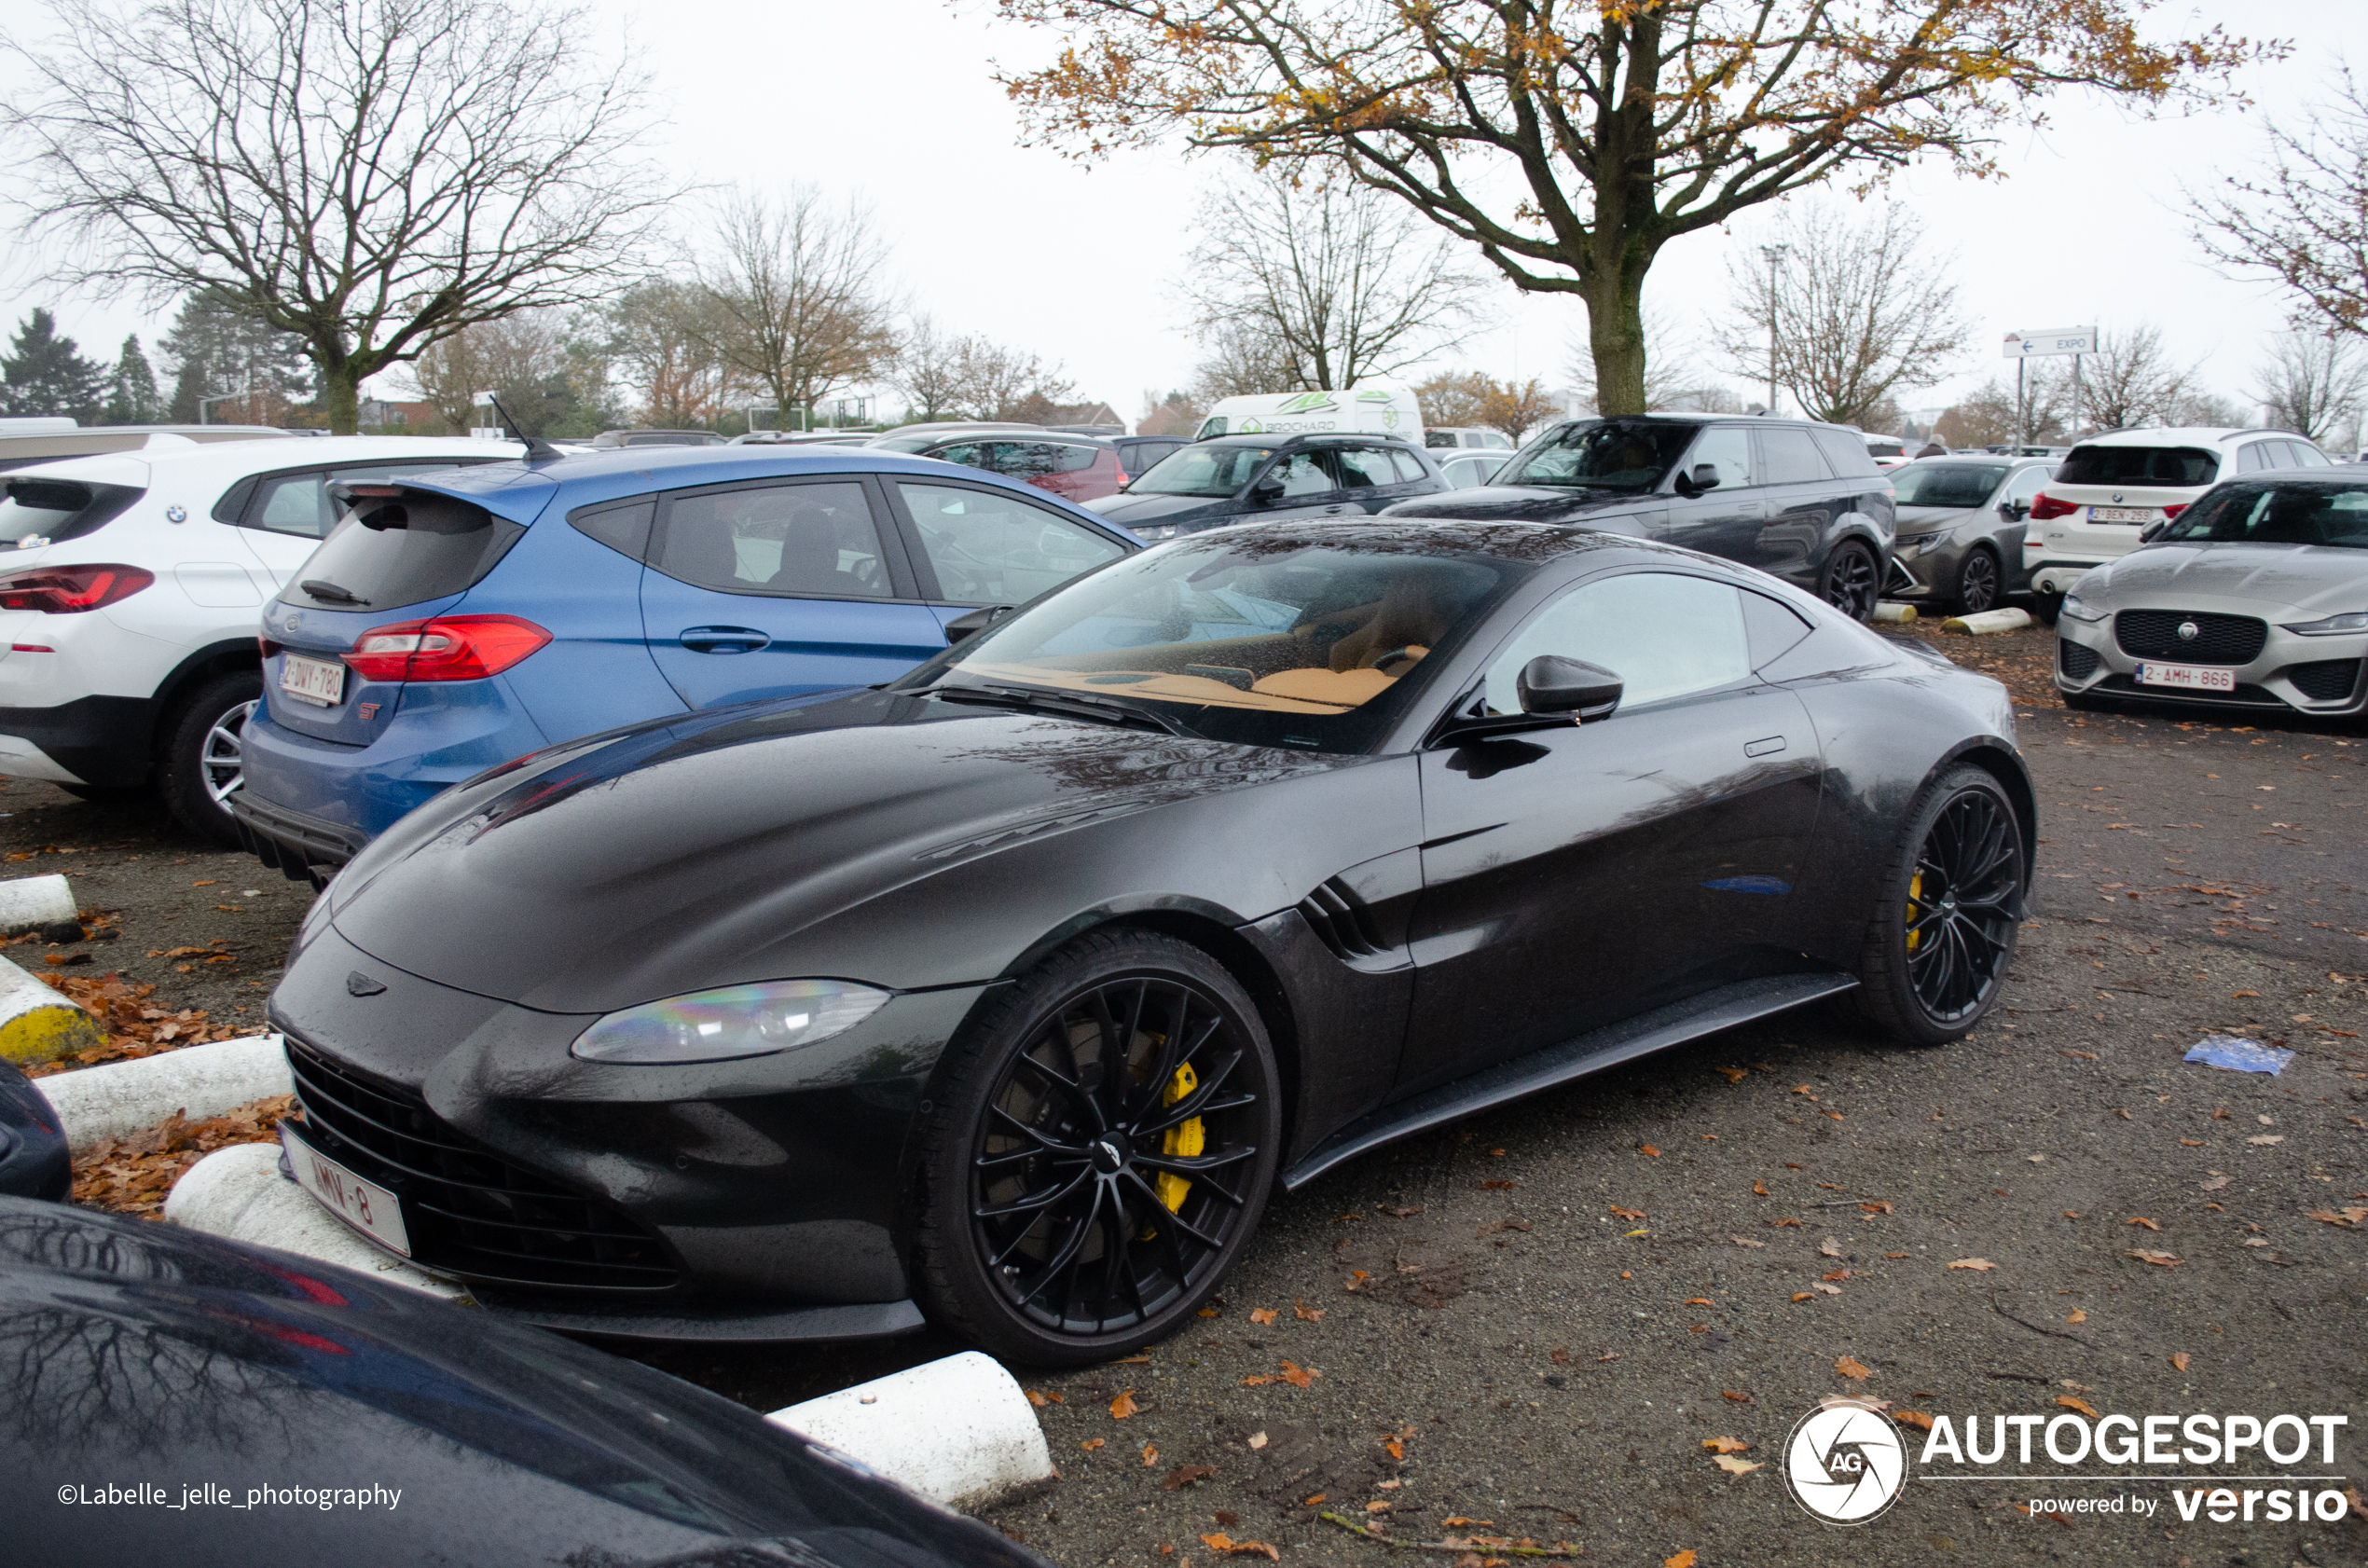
point(2273, 581)
point(1525, 503)
point(1133, 511)
point(706, 850)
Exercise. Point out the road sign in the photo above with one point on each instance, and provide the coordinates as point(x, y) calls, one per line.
point(2054, 340)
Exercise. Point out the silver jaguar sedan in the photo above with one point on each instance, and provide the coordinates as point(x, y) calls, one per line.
point(2254, 596)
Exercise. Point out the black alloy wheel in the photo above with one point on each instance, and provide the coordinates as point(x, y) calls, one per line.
point(1852, 580)
point(1977, 585)
point(1103, 1151)
point(1946, 921)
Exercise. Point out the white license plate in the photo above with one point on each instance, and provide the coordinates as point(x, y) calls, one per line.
point(318, 681)
point(2192, 678)
point(363, 1205)
point(2124, 513)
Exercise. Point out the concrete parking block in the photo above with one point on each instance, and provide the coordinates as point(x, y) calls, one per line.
point(38, 1024)
point(116, 1098)
point(239, 1193)
point(958, 1429)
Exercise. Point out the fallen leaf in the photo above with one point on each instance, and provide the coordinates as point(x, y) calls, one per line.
point(1133, 1360)
point(1732, 1465)
point(1738, 1398)
point(1894, 1255)
point(1803, 1089)
point(1837, 1276)
point(1760, 1188)
point(1306, 1313)
point(1881, 1205)
point(1913, 1418)
point(1396, 1213)
point(1257, 1440)
point(1978, 1264)
point(2160, 1260)
point(2179, 1358)
point(1611, 1355)
point(1220, 1542)
point(2266, 1139)
point(1498, 1186)
point(2073, 1402)
point(1627, 1214)
point(2083, 1055)
point(1624, 1234)
point(1802, 1295)
point(1262, 1314)
point(1741, 1241)
point(2337, 1217)
point(1725, 1445)
point(1455, 1522)
point(1394, 1445)
point(1124, 1404)
point(1040, 1400)
point(2075, 1387)
point(1298, 1377)
point(2213, 1183)
point(1683, 1559)
point(1698, 1302)
point(1853, 1371)
point(1092, 1443)
point(1733, 1075)
point(1185, 1475)
point(1829, 1248)
point(1311, 1501)
point(2077, 1316)
point(2141, 1220)
point(1150, 1457)
point(1784, 1224)
point(1377, 1507)
point(1648, 1150)
point(1257, 1380)
point(2235, 994)
point(1561, 1357)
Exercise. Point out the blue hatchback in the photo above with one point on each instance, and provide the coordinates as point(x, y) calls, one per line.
point(456, 621)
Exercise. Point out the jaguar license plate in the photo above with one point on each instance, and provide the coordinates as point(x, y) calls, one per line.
point(2124, 513)
point(366, 1205)
point(2187, 677)
point(318, 681)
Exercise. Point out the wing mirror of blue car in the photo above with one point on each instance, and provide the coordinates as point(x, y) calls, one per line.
point(974, 622)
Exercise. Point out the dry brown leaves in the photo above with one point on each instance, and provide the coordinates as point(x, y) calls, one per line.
point(1683, 1559)
point(132, 1028)
point(1220, 1542)
point(1262, 1314)
point(1976, 1264)
point(1124, 1404)
point(2179, 1359)
point(1725, 1445)
point(1627, 1214)
point(2072, 1402)
point(1913, 1418)
point(1852, 1369)
point(1306, 1313)
point(2159, 1260)
point(2338, 1216)
point(132, 1175)
point(1185, 1475)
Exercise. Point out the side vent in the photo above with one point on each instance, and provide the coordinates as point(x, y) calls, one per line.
point(1342, 922)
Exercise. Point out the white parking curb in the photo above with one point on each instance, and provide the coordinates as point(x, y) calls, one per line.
point(38, 1024)
point(958, 1430)
point(28, 901)
point(116, 1098)
point(1989, 620)
point(1891, 613)
point(239, 1193)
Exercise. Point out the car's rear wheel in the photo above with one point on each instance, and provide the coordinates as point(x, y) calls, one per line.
point(200, 763)
point(1100, 1151)
point(1851, 582)
point(1946, 912)
point(1979, 587)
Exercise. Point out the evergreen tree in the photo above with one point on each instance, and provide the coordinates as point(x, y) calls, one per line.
point(43, 372)
point(134, 399)
point(221, 348)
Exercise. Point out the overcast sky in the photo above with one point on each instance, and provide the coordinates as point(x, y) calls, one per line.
point(894, 102)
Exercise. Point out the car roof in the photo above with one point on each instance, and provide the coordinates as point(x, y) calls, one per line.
point(1250, 438)
point(236, 459)
point(2157, 435)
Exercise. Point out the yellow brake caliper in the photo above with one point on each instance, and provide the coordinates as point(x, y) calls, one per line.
point(1186, 1140)
point(1915, 897)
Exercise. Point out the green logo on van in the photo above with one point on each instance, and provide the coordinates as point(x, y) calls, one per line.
point(1372, 397)
point(1307, 402)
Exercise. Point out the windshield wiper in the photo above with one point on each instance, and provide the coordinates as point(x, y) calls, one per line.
point(1101, 711)
point(330, 591)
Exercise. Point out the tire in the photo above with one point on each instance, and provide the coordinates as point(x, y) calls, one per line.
point(1980, 582)
point(198, 757)
point(1105, 1264)
point(106, 794)
point(1852, 582)
point(1928, 978)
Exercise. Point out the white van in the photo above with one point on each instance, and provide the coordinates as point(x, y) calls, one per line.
point(1372, 409)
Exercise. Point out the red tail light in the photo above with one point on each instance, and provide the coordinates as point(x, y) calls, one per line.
point(65, 590)
point(449, 648)
point(2044, 506)
point(2170, 511)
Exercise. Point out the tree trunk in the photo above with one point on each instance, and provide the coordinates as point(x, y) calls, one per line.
point(341, 399)
point(1615, 332)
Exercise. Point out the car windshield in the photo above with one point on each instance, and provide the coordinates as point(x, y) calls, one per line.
point(1209, 471)
point(1946, 484)
point(1633, 455)
point(2138, 465)
point(2287, 513)
point(1248, 636)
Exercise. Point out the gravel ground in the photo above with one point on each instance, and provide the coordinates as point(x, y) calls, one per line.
point(1685, 1250)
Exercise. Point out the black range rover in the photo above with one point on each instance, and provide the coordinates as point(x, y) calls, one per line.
point(1799, 500)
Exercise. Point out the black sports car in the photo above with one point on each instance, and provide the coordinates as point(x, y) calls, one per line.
point(1013, 985)
point(175, 1397)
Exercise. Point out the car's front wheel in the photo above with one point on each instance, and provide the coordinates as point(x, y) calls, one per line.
point(1098, 1152)
point(1979, 586)
point(1852, 580)
point(200, 763)
point(1946, 912)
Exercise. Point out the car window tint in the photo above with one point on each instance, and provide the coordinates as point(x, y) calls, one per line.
point(809, 539)
point(1730, 447)
point(1365, 468)
point(1077, 460)
point(300, 503)
point(2140, 465)
point(1304, 473)
point(1844, 452)
point(1663, 635)
point(2308, 456)
point(624, 526)
point(969, 454)
point(2029, 483)
point(988, 548)
point(1410, 467)
point(1791, 457)
point(1039, 459)
point(2322, 511)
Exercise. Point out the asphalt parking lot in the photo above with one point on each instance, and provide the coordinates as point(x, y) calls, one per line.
point(1517, 1337)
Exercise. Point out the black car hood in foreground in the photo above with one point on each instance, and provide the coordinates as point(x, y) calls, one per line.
point(1133, 509)
point(385, 1427)
point(1528, 503)
point(841, 839)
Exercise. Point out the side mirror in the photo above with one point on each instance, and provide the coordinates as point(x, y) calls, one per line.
point(1706, 477)
point(2015, 511)
point(974, 622)
point(2153, 531)
point(1268, 490)
point(1551, 685)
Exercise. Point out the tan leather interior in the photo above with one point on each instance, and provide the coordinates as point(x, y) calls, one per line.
point(1349, 688)
point(1408, 617)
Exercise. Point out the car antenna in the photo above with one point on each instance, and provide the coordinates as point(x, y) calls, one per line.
point(537, 449)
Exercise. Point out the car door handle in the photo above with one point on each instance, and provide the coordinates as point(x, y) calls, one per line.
point(722, 639)
point(1766, 748)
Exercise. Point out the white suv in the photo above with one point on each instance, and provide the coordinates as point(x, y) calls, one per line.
point(132, 589)
point(2111, 487)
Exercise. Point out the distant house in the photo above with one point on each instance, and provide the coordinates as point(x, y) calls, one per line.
point(1094, 416)
point(396, 416)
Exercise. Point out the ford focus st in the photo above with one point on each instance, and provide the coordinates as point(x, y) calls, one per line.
point(1005, 992)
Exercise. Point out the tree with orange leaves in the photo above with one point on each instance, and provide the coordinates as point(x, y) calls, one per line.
point(1570, 139)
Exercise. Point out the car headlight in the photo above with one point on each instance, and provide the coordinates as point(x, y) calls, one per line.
point(2079, 611)
point(1916, 544)
point(729, 1022)
point(2333, 625)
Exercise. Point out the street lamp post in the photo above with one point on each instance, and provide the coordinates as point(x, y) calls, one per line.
point(1774, 253)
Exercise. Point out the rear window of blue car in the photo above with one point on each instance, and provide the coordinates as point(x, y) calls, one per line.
point(402, 546)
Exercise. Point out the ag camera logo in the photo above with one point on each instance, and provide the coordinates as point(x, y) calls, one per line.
point(1845, 1462)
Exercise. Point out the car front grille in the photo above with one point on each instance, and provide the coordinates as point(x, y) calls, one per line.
point(2326, 679)
point(2219, 639)
point(467, 1210)
point(2076, 660)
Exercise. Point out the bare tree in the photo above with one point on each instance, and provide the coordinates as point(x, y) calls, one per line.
point(2312, 384)
point(661, 342)
point(518, 359)
point(1998, 414)
point(1672, 379)
point(2305, 222)
point(2207, 409)
point(370, 177)
point(1859, 315)
point(1239, 362)
point(1179, 413)
point(795, 297)
point(1340, 280)
point(1000, 383)
point(928, 370)
point(2129, 380)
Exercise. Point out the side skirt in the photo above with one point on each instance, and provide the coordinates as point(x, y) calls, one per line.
point(1591, 1053)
